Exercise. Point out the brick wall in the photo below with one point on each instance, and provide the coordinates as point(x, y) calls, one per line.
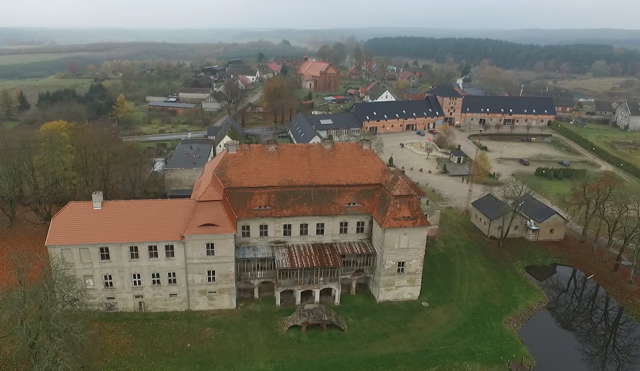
point(387, 126)
point(490, 119)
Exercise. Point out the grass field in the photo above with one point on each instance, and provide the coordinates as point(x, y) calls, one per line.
point(595, 87)
point(555, 191)
point(470, 288)
point(38, 57)
point(31, 87)
point(603, 135)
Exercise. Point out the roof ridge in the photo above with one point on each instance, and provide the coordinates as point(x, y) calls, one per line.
point(193, 212)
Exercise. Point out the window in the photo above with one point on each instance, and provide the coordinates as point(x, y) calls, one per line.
point(173, 295)
point(264, 230)
point(246, 231)
point(400, 269)
point(515, 227)
point(133, 252)
point(169, 251)
point(136, 280)
point(286, 230)
point(211, 276)
point(304, 229)
point(171, 278)
point(108, 281)
point(551, 231)
point(360, 228)
point(155, 279)
point(153, 251)
point(104, 253)
point(319, 229)
point(210, 249)
point(344, 226)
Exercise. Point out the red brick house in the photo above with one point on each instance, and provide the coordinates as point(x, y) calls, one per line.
point(450, 98)
point(318, 76)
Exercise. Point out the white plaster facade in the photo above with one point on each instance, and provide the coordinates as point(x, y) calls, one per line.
point(625, 119)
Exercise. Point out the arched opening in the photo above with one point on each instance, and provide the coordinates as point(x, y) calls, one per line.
point(306, 297)
point(244, 290)
point(345, 286)
point(362, 285)
point(266, 289)
point(287, 298)
point(326, 296)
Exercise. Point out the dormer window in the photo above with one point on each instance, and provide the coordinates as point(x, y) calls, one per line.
point(262, 208)
point(351, 204)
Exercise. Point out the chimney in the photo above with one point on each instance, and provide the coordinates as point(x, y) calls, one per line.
point(366, 143)
point(271, 145)
point(232, 146)
point(327, 143)
point(96, 197)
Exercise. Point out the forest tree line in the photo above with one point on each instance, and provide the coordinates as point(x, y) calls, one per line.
point(504, 54)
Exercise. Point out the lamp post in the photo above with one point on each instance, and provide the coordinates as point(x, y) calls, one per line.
point(502, 150)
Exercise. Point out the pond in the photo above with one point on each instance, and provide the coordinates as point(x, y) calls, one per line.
point(582, 328)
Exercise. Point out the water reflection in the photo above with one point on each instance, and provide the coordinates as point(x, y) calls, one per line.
point(598, 335)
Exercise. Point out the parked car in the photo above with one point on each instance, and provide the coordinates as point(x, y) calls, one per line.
point(420, 132)
point(433, 131)
point(283, 135)
point(524, 161)
point(564, 163)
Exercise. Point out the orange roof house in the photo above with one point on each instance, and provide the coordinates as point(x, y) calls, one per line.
point(318, 76)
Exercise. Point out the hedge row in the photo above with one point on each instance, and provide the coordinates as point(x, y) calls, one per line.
point(560, 173)
point(600, 152)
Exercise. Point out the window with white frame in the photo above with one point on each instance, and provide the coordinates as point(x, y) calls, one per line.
point(360, 227)
point(304, 229)
point(344, 227)
point(153, 251)
point(264, 230)
point(136, 280)
point(108, 281)
point(246, 231)
point(286, 230)
point(171, 278)
point(211, 276)
point(319, 229)
point(400, 269)
point(155, 279)
point(133, 252)
point(104, 253)
point(169, 251)
point(210, 249)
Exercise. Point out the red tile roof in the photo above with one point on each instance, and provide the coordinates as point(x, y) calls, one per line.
point(405, 75)
point(313, 68)
point(210, 218)
point(244, 80)
point(208, 186)
point(367, 88)
point(274, 67)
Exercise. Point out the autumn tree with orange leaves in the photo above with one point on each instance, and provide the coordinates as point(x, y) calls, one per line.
point(278, 98)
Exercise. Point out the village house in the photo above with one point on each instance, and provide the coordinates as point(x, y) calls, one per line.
point(187, 162)
point(266, 72)
point(505, 110)
point(458, 156)
point(534, 220)
point(414, 94)
point(229, 130)
point(179, 108)
point(274, 67)
point(193, 95)
point(604, 108)
point(214, 102)
point(450, 98)
point(628, 115)
point(202, 82)
point(243, 70)
point(338, 127)
point(318, 76)
point(408, 76)
point(402, 115)
point(299, 236)
point(378, 93)
point(563, 100)
point(417, 72)
point(295, 61)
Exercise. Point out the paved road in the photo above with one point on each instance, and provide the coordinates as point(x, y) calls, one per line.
point(265, 133)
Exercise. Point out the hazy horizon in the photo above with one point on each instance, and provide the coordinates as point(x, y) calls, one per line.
point(333, 14)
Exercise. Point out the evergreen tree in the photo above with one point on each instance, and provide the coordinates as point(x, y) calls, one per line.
point(261, 57)
point(23, 102)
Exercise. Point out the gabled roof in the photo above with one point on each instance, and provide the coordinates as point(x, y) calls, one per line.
point(634, 107)
point(212, 131)
point(275, 67)
point(210, 218)
point(398, 184)
point(366, 88)
point(190, 154)
point(491, 206)
point(301, 130)
point(244, 80)
point(208, 186)
point(376, 91)
point(195, 90)
point(509, 105)
point(313, 68)
point(120, 222)
point(401, 109)
point(233, 124)
point(535, 209)
point(334, 121)
point(603, 105)
point(405, 75)
point(264, 69)
point(446, 91)
point(459, 153)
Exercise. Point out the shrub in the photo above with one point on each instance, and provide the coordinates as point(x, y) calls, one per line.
point(560, 173)
point(390, 161)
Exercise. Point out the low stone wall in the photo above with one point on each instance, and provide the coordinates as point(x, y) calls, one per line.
point(517, 320)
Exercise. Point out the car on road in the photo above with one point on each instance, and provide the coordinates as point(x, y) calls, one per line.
point(524, 161)
point(283, 135)
point(433, 131)
point(564, 163)
point(420, 132)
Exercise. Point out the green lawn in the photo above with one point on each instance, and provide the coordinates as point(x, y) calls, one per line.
point(603, 135)
point(554, 190)
point(469, 283)
point(432, 194)
point(31, 87)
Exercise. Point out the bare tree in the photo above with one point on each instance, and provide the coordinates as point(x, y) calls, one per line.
point(512, 192)
point(497, 126)
point(630, 230)
point(233, 95)
point(613, 213)
point(634, 261)
point(528, 126)
point(368, 64)
point(45, 315)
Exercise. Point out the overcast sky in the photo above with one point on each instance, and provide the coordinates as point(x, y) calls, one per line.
point(301, 14)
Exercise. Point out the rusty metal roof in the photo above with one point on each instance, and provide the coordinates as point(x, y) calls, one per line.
point(307, 255)
point(354, 247)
